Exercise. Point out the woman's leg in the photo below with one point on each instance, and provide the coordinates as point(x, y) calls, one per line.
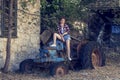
point(68, 49)
point(55, 36)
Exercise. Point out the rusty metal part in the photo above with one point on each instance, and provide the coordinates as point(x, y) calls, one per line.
point(96, 58)
point(45, 36)
point(75, 38)
point(83, 42)
point(60, 71)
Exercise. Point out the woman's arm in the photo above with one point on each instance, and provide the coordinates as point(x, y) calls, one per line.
point(58, 29)
point(59, 32)
point(67, 30)
point(65, 33)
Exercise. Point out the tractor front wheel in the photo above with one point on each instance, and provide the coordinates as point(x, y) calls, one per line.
point(58, 69)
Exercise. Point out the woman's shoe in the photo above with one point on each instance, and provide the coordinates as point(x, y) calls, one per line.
point(70, 58)
point(53, 45)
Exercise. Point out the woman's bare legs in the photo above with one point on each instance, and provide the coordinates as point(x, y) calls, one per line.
point(68, 49)
point(55, 36)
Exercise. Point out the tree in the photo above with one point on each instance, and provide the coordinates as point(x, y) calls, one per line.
point(8, 46)
point(72, 10)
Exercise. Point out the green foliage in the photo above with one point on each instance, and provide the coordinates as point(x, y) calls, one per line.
point(53, 10)
point(23, 5)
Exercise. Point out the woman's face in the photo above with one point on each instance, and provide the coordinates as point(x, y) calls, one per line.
point(62, 21)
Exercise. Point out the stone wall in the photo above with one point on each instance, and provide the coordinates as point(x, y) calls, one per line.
point(26, 45)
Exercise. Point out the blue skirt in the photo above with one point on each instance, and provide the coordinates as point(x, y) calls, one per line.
point(67, 37)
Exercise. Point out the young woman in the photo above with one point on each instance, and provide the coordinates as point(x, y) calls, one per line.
point(63, 34)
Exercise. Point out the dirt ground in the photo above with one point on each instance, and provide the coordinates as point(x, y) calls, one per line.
point(109, 72)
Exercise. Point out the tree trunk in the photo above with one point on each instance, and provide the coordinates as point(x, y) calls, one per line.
point(8, 45)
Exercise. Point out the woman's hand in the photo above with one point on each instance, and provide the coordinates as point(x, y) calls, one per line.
point(65, 33)
point(62, 37)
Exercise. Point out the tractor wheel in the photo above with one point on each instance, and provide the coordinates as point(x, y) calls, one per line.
point(58, 69)
point(91, 56)
point(26, 66)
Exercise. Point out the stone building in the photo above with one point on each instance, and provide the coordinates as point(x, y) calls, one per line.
point(25, 31)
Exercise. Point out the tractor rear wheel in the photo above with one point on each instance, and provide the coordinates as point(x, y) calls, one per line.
point(58, 69)
point(26, 66)
point(91, 56)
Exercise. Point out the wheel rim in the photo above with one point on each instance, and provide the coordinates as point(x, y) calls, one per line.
point(96, 59)
point(60, 71)
point(28, 68)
